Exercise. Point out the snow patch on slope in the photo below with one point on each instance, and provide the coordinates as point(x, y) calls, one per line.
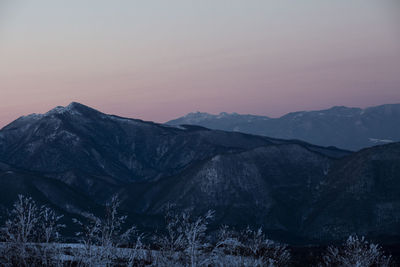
point(380, 141)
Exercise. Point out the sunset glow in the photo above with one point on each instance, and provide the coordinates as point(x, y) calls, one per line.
point(157, 60)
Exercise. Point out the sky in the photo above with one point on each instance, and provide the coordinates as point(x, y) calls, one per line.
point(158, 60)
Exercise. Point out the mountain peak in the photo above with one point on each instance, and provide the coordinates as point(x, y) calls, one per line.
point(194, 117)
point(76, 105)
point(74, 108)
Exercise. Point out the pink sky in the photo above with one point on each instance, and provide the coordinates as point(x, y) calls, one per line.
point(157, 61)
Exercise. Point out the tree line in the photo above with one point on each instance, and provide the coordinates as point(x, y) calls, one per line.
point(31, 237)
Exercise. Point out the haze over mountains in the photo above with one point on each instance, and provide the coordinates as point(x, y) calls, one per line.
point(343, 127)
point(75, 158)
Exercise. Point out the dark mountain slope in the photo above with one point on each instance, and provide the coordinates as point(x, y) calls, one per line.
point(51, 192)
point(295, 194)
point(266, 186)
point(361, 194)
point(348, 128)
point(96, 152)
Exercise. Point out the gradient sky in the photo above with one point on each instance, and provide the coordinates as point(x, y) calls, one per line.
point(157, 60)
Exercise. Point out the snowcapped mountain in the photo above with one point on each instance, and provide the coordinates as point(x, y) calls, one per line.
point(347, 128)
point(75, 158)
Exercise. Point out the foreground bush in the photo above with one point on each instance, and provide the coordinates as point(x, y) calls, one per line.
point(356, 252)
point(102, 237)
point(30, 234)
point(248, 248)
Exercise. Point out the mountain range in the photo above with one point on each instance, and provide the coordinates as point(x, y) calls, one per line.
point(75, 158)
point(343, 127)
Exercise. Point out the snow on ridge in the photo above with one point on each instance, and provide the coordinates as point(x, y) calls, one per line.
point(124, 120)
point(376, 140)
point(194, 117)
point(299, 114)
point(180, 127)
point(223, 115)
point(71, 109)
point(34, 116)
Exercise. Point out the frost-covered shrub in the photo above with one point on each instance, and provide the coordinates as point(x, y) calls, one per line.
point(184, 241)
point(19, 232)
point(227, 249)
point(356, 252)
point(89, 237)
point(262, 251)
point(30, 233)
point(248, 248)
point(194, 232)
point(171, 244)
point(48, 236)
point(102, 237)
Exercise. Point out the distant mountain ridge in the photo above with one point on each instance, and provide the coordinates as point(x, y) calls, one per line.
point(343, 127)
point(75, 158)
